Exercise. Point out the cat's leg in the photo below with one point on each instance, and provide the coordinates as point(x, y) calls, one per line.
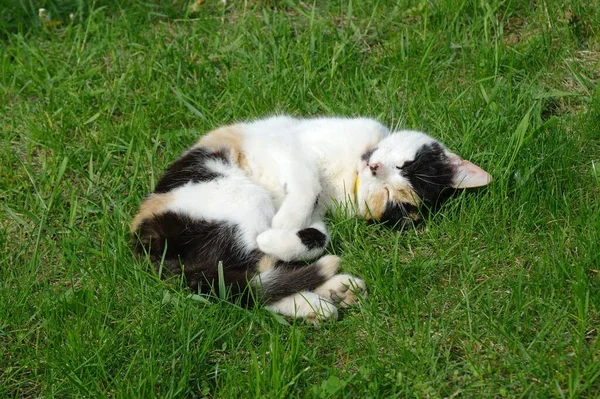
point(295, 244)
point(342, 289)
point(302, 190)
point(286, 289)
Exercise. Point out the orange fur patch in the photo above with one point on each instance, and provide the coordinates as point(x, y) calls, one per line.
point(226, 138)
point(376, 204)
point(154, 205)
point(409, 196)
point(405, 195)
point(266, 263)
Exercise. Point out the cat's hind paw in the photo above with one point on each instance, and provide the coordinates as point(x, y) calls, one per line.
point(305, 305)
point(342, 289)
point(320, 310)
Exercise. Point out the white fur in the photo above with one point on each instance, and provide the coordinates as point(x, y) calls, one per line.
point(292, 162)
point(305, 305)
point(285, 244)
point(312, 157)
point(289, 164)
point(394, 150)
point(235, 199)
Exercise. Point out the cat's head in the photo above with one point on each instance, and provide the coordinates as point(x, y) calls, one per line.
point(405, 175)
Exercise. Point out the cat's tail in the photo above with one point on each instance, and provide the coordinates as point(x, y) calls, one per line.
point(285, 279)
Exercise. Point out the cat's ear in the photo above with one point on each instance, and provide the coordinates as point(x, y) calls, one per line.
point(467, 174)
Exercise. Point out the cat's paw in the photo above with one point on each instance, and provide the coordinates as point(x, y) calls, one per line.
point(342, 289)
point(315, 310)
point(287, 245)
point(305, 305)
point(281, 243)
point(328, 265)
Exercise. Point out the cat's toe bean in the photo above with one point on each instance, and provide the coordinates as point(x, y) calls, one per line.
point(342, 289)
point(335, 296)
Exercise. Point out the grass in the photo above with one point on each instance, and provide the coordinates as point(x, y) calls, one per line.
point(499, 295)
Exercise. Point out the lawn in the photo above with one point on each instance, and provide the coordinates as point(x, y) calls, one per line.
point(498, 296)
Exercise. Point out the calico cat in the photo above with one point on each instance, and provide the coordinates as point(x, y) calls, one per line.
point(253, 195)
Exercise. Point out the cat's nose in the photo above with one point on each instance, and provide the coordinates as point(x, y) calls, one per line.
point(374, 167)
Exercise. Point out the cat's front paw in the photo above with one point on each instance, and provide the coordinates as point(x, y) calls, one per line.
point(280, 243)
point(287, 245)
point(342, 289)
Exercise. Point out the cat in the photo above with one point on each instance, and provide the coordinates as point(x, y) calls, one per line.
point(252, 196)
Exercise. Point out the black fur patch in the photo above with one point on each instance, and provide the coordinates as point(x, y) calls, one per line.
point(430, 174)
point(367, 155)
point(312, 238)
point(291, 278)
point(195, 247)
point(190, 167)
point(400, 215)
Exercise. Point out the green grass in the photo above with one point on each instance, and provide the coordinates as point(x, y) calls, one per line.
point(499, 295)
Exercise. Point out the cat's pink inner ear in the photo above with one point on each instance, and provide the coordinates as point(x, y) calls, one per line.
point(467, 174)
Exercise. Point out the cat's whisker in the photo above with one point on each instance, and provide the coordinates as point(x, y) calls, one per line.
point(421, 177)
point(428, 181)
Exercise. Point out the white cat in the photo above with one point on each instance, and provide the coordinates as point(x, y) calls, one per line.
point(253, 195)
